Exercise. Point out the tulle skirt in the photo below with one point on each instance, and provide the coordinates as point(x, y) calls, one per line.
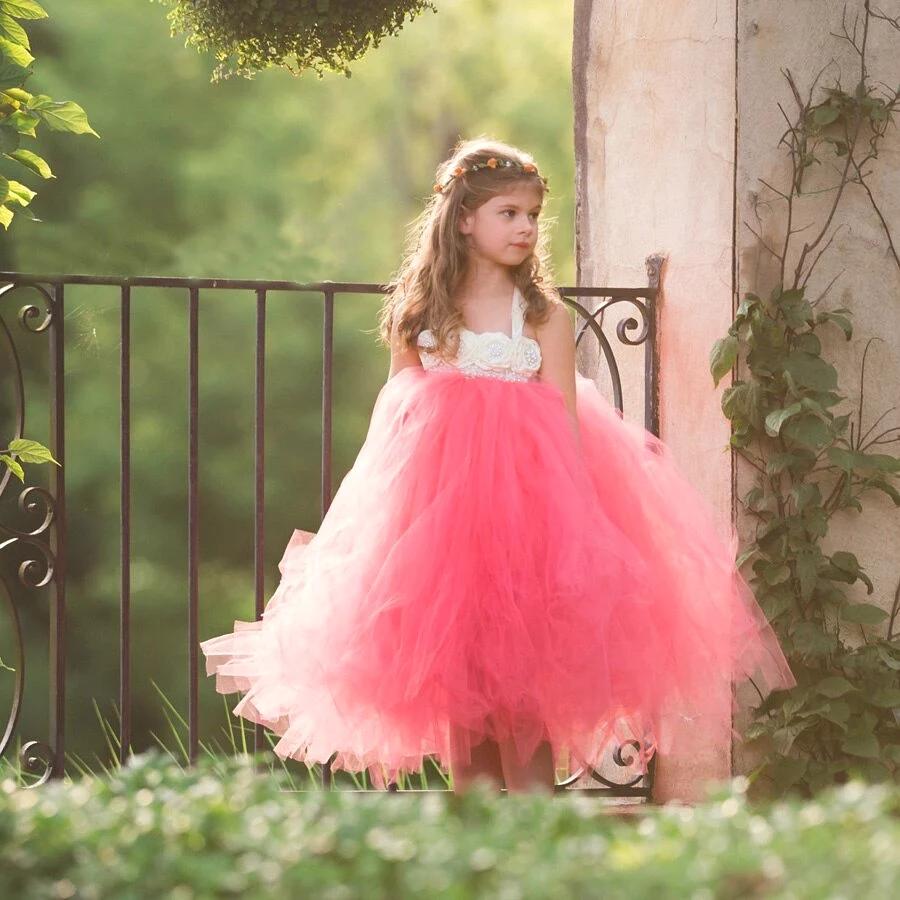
point(485, 571)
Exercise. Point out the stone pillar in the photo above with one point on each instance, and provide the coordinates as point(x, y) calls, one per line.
point(655, 154)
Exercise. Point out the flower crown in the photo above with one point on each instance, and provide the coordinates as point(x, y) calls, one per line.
point(493, 163)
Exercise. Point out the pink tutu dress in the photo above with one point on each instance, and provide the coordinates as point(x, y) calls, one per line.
point(483, 573)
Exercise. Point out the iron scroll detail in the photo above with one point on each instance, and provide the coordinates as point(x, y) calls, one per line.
point(35, 506)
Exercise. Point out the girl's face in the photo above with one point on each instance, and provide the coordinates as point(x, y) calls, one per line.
point(504, 230)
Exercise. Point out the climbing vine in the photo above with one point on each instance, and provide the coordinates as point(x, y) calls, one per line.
point(813, 460)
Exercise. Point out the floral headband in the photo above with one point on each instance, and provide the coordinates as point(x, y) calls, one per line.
point(492, 163)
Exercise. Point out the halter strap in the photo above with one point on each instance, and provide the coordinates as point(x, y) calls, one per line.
point(518, 314)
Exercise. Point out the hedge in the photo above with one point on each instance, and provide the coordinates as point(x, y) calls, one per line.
point(155, 831)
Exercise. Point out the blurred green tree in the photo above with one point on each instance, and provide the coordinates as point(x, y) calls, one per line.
point(300, 179)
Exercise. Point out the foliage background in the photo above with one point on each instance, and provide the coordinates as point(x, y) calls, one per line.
point(286, 178)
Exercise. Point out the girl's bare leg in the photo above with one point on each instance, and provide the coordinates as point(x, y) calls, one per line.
point(538, 774)
point(485, 763)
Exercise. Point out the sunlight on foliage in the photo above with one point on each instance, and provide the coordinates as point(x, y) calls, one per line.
point(21, 112)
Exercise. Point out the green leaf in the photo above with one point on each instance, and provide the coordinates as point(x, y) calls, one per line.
point(740, 436)
point(863, 613)
point(832, 573)
point(22, 96)
point(834, 686)
point(878, 482)
point(4, 189)
point(32, 161)
point(836, 711)
point(755, 729)
point(63, 115)
point(23, 121)
point(884, 697)
point(31, 451)
point(776, 574)
point(846, 561)
point(777, 418)
point(23, 9)
point(764, 360)
point(28, 213)
point(770, 532)
point(808, 343)
point(722, 357)
point(795, 701)
point(14, 467)
point(810, 640)
point(12, 75)
point(861, 742)
point(6, 216)
point(742, 400)
point(9, 139)
point(747, 305)
point(783, 738)
point(779, 463)
point(785, 772)
point(20, 194)
point(795, 308)
point(849, 564)
point(889, 659)
point(838, 319)
point(13, 30)
point(14, 52)
point(855, 459)
point(746, 556)
point(808, 572)
point(810, 371)
point(825, 115)
point(841, 423)
point(805, 495)
point(808, 430)
point(752, 497)
point(816, 521)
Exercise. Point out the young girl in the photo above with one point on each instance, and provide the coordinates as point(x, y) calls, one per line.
point(509, 569)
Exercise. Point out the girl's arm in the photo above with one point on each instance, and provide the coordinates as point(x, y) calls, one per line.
point(401, 357)
point(557, 339)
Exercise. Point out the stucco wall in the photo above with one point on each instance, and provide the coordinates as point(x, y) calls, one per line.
point(655, 113)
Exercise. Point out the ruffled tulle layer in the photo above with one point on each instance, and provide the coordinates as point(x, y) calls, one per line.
point(483, 573)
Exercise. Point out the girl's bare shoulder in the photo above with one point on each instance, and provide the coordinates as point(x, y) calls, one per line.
point(558, 324)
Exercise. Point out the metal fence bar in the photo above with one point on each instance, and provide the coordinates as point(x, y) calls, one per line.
point(236, 284)
point(58, 533)
point(651, 346)
point(327, 372)
point(193, 522)
point(125, 524)
point(327, 366)
point(259, 488)
point(651, 360)
point(53, 288)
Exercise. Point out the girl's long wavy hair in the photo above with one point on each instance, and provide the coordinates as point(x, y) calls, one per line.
point(421, 294)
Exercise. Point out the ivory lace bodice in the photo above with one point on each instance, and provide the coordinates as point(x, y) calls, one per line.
point(489, 354)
